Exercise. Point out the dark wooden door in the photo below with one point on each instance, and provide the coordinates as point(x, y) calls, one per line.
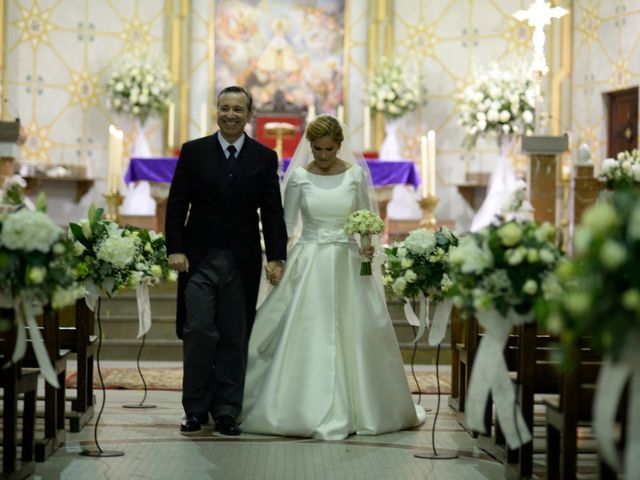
point(623, 121)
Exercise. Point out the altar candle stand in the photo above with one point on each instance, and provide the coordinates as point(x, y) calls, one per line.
point(429, 200)
point(279, 130)
point(112, 195)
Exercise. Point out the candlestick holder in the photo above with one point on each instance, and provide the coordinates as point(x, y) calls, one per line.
point(428, 205)
point(114, 200)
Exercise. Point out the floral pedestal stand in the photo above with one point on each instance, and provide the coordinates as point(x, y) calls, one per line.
point(98, 451)
point(437, 330)
point(144, 383)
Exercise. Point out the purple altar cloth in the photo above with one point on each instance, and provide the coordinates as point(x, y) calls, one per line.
point(160, 169)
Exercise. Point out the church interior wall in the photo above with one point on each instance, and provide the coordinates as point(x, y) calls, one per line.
point(58, 56)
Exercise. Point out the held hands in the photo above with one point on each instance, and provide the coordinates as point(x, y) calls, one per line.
point(368, 252)
point(274, 271)
point(179, 262)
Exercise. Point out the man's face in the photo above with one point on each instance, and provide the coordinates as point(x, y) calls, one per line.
point(233, 115)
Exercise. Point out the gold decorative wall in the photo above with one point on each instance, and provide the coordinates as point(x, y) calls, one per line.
point(606, 55)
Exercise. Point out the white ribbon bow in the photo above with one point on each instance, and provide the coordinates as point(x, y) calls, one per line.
point(25, 317)
point(489, 375)
point(437, 328)
point(612, 379)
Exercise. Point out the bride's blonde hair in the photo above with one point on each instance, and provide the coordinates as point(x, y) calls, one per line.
point(325, 126)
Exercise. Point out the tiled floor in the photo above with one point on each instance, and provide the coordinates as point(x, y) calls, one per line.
point(155, 449)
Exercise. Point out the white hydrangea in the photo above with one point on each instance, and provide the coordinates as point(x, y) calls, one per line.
point(420, 241)
point(30, 231)
point(118, 251)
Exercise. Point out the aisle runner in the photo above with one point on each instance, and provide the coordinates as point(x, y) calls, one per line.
point(171, 379)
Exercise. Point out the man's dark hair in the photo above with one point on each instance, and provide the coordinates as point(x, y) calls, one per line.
point(237, 89)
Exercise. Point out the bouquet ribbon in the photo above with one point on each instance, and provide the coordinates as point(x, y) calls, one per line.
point(25, 317)
point(144, 309)
point(437, 328)
point(612, 378)
point(489, 375)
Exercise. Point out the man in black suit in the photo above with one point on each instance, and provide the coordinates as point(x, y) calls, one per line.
point(213, 239)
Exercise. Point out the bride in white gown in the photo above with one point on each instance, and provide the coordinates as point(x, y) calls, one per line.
point(323, 359)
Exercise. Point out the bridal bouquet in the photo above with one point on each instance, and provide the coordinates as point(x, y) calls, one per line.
point(499, 102)
point(393, 91)
point(140, 86)
point(505, 267)
point(365, 223)
point(622, 171)
point(417, 265)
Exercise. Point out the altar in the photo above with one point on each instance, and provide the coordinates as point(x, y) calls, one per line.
point(158, 171)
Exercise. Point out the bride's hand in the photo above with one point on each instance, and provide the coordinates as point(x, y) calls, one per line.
point(368, 252)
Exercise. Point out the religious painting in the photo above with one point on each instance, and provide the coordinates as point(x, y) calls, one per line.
point(289, 46)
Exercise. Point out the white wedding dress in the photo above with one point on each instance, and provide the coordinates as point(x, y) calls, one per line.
point(323, 360)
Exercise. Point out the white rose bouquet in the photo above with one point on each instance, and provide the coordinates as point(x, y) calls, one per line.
point(504, 267)
point(393, 91)
point(364, 223)
point(621, 172)
point(140, 86)
point(417, 265)
point(500, 102)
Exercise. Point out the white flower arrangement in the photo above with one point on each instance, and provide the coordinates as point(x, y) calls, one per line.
point(622, 171)
point(393, 91)
point(500, 102)
point(364, 223)
point(417, 265)
point(504, 267)
point(112, 257)
point(13, 190)
point(140, 86)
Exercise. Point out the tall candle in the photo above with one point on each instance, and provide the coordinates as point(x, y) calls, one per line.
point(424, 188)
point(114, 157)
point(311, 113)
point(203, 119)
point(340, 113)
point(431, 161)
point(170, 125)
point(367, 127)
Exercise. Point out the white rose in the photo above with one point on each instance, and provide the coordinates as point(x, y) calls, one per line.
point(410, 276)
point(399, 286)
point(406, 263)
point(613, 254)
point(37, 274)
point(527, 116)
point(547, 256)
point(530, 287)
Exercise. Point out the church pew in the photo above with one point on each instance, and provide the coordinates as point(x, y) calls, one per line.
point(572, 408)
point(16, 382)
point(77, 328)
point(531, 359)
point(54, 398)
point(465, 336)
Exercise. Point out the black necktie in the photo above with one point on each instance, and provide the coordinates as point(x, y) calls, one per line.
point(232, 156)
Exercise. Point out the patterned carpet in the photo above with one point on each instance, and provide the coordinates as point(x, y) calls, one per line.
point(171, 379)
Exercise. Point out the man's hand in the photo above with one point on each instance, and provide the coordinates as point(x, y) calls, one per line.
point(274, 271)
point(368, 252)
point(179, 262)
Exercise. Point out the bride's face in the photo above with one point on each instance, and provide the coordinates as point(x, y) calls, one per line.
point(325, 151)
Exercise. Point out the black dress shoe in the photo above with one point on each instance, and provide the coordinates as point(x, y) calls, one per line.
point(193, 423)
point(226, 425)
